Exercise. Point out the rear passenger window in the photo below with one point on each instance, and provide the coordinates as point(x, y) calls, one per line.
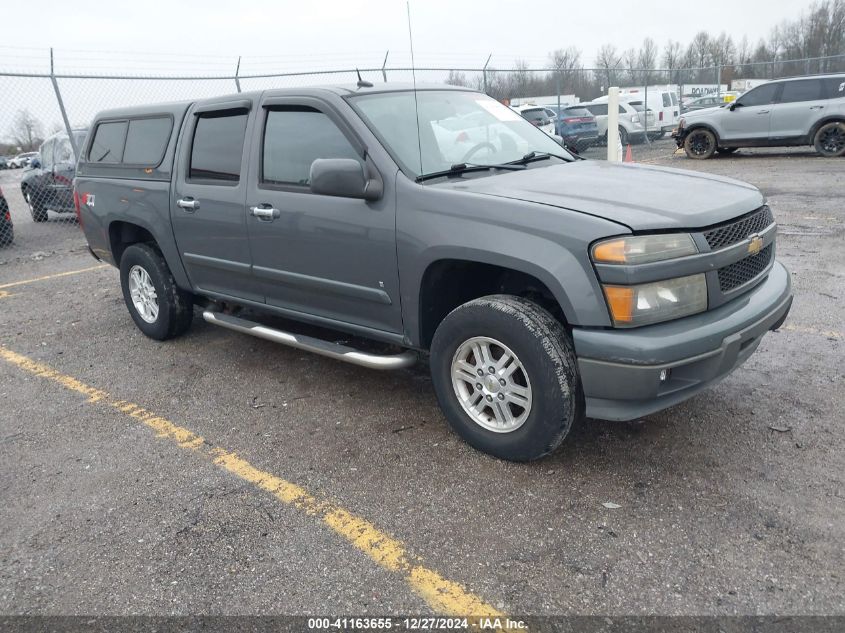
point(218, 146)
point(674, 98)
point(805, 90)
point(667, 100)
point(835, 87)
point(294, 138)
point(146, 141)
point(108, 143)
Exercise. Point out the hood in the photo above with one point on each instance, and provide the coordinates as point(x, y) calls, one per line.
point(703, 113)
point(641, 197)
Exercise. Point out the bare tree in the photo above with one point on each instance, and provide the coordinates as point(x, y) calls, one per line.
point(673, 60)
point(457, 78)
point(566, 67)
point(27, 131)
point(647, 60)
point(631, 59)
point(608, 61)
point(520, 80)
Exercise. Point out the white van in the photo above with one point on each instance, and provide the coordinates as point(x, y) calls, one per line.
point(663, 108)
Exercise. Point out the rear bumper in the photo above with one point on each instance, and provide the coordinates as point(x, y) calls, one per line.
point(581, 137)
point(621, 369)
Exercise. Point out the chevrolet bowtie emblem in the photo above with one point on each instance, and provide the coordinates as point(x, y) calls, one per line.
point(755, 245)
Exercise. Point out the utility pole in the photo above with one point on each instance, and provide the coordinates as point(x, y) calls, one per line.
point(62, 109)
point(484, 71)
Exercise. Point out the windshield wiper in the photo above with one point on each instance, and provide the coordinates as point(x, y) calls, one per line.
point(462, 168)
point(532, 156)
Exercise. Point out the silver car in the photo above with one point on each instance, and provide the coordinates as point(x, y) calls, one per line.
point(786, 112)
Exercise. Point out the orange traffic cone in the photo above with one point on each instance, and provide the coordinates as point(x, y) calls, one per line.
point(629, 157)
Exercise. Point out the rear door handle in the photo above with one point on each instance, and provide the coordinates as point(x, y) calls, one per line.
point(265, 213)
point(764, 111)
point(189, 204)
point(817, 107)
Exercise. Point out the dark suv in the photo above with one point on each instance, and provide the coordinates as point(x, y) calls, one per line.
point(48, 183)
point(576, 126)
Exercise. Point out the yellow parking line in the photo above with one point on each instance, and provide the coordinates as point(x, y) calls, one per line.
point(442, 595)
point(46, 277)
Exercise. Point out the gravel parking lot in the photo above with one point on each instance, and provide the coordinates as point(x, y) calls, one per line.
point(351, 494)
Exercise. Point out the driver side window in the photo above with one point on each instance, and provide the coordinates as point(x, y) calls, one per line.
point(294, 137)
point(761, 95)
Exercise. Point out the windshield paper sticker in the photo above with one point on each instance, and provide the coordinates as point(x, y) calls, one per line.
point(501, 112)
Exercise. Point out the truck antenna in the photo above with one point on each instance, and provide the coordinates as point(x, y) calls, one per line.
point(414, 79)
point(361, 82)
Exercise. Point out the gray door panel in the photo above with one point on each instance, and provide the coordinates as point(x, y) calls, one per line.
point(749, 117)
point(801, 105)
point(327, 256)
point(212, 236)
point(750, 122)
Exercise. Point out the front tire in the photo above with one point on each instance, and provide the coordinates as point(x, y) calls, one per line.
point(160, 309)
point(700, 144)
point(829, 141)
point(623, 136)
point(524, 408)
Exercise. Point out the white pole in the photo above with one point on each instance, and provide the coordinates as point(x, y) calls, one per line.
point(614, 149)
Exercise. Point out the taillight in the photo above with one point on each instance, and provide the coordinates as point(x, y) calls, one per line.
point(8, 217)
point(660, 116)
point(463, 137)
point(76, 204)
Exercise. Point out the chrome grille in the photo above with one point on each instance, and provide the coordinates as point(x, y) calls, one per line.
point(743, 271)
point(738, 230)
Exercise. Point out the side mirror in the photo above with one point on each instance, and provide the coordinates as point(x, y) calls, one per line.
point(344, 178)
point(35, 163)
point(732, 107)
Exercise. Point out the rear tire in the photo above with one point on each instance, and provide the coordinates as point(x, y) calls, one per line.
point(700, 144)
point(829, 141)
point(36, 207)
point(623, 136)
point(523, 409)
point(160, 309)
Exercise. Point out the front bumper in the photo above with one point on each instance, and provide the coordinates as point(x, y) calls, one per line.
point(620, 369)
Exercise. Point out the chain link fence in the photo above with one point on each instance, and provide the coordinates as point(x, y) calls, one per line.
point(45, 109)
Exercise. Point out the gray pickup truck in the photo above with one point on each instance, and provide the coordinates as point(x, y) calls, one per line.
point(545, 288)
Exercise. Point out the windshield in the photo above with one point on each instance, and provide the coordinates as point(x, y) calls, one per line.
point(454, 127)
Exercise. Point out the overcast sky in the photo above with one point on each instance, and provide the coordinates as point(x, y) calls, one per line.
point(339, 33)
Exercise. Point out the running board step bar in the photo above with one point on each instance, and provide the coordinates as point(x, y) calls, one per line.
point(311, 344)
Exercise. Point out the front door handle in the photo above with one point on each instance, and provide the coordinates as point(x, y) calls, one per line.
point(265, 213)
point(816, 107)
point(764, 111)
point(189, 204)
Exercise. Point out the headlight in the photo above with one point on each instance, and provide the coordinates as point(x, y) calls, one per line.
point(642, 249)
point(631, 306)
